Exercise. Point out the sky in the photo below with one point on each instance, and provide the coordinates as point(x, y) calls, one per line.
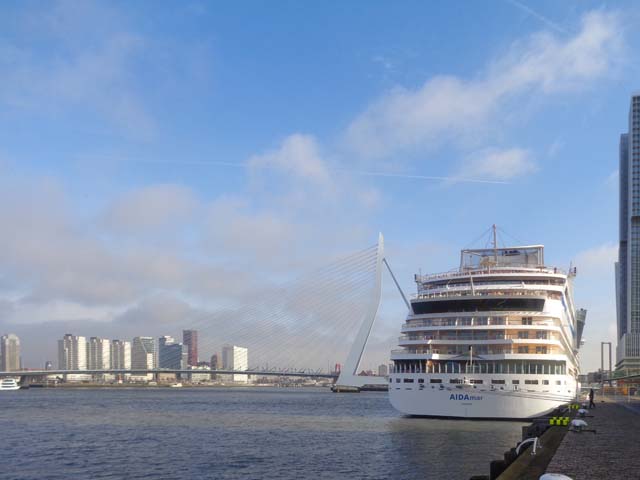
point(159, 163)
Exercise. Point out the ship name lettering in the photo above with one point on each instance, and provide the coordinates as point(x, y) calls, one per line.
point(464, 396)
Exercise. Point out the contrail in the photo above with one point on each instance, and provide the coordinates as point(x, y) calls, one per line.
point(341, 170)
point(419, 177)
point(539, 16)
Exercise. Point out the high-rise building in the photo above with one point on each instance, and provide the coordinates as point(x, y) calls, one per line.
point(627, 267)
point(9, 353)
point(236, 358)
point(215, 365)
point(171, 355)
point(143, 354)
point(72, 352)
point(190, 339)
point(48, 365)
point(382, 370)
point(98, 354)
point(120, 355)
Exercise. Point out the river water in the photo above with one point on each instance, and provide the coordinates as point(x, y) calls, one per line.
point(235, 433)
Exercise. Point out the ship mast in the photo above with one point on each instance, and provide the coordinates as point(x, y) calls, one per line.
point(495, 244)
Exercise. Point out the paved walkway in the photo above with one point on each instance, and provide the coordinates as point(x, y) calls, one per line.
point(613, 453)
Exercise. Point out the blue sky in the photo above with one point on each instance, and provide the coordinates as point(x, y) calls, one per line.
point(163, 158)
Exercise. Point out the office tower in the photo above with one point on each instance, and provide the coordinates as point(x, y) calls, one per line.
point(214, 365)
point(143, 353)
point(190, 339)
point(98, 354)
point(9, 353)
point(236, 358)
point(628, 264)
point(171, 355)
point(72, 353)
point(382, 370)
point(120, 355)
point(48, 365)
point(214, 362)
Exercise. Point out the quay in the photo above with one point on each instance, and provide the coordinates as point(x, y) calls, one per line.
point(608, 449)
point(612, 453)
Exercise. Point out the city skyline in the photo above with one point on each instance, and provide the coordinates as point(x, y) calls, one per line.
point(162, 165)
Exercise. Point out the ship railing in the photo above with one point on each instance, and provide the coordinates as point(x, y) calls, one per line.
point(514, 319)
point(465, 352)
point(511, 269)
point(506, 285)
point(404, 338)
point(483, 293)
point(454, 324)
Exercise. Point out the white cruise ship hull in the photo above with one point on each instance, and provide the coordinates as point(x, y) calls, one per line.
point(465, 401)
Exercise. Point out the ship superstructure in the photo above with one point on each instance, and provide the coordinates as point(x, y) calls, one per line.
point(496, 338)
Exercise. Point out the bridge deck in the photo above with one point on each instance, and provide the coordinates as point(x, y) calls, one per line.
point(38, 373)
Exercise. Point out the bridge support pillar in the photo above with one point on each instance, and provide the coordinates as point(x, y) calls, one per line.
point(349, 380)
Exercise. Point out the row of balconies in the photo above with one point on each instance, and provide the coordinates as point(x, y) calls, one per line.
point(455, 350)
point(489, 271)
point(487, 293)
point(429, 289)
point(540, 336)
point(478, 321)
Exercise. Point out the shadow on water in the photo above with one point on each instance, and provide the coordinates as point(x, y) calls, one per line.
point(456, 449)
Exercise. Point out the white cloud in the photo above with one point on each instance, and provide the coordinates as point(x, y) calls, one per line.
point(298, 155)
point(91, 70)
point(248, 236)
point(51, 256)
point(152, 207)
point(447, 108)
point(597, 261)
point(498, 164)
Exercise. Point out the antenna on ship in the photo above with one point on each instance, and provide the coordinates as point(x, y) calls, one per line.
point(495, 243)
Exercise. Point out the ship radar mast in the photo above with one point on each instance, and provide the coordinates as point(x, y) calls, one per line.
point(495, 244)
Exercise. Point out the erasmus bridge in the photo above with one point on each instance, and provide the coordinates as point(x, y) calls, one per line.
point(298, 329)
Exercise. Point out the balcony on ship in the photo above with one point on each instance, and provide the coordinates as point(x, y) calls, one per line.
point(497, 336)
point(462, 349)
point(495, 291)
point(532, 320)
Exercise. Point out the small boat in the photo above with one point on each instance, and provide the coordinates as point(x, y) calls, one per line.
point(9, 384)
point(176, 385)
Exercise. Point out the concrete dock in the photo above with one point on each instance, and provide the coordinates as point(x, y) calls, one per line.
point(612, 453)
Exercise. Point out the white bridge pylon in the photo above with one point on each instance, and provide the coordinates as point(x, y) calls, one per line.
point(349, 372)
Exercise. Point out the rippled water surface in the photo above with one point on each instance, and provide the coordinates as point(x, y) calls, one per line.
point(235, 434)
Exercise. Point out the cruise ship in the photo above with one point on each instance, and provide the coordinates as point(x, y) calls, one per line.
point(496, 338)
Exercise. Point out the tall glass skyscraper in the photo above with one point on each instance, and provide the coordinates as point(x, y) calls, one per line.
point(628, 264)
point(171, 354)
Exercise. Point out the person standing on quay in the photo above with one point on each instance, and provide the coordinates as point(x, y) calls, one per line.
point(591, 404)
